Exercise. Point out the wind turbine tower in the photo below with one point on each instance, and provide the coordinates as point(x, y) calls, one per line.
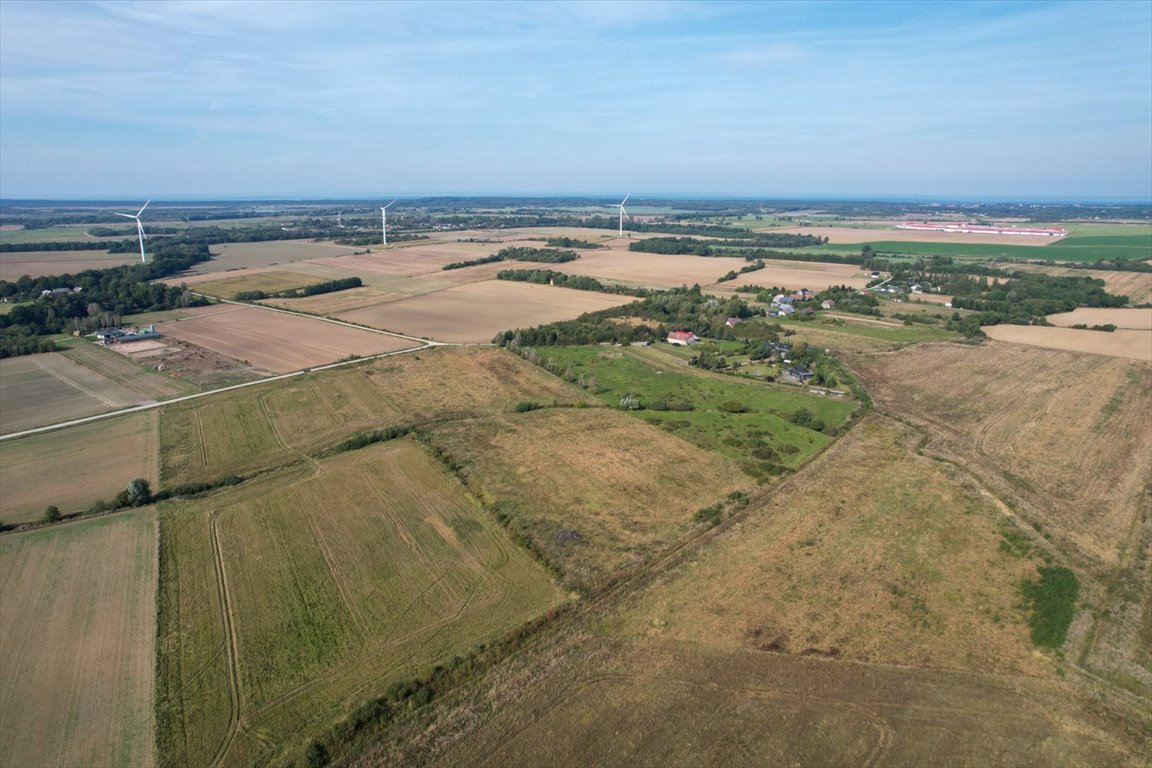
point(622, 212)
point(384, 221)
point(139, 229)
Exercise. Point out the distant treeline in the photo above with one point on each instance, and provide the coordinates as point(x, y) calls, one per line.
point(79, 245)
point(539, 255)
point(728, 247)
point(330, 286)
point(118, 290)
point(577, 282)
point(571, 242)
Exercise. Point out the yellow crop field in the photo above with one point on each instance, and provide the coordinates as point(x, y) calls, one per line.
point(288, 601)
point(77, 630)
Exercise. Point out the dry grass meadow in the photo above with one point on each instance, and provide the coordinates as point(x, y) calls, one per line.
point(288, 601)
point(274, 424)
point(279, 342)
point(71, 468)
point(476, 312)
point(231, 256)
point(78, 629)
point(596, 491)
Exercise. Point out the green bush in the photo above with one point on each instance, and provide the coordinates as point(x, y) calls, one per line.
point(1053, 603)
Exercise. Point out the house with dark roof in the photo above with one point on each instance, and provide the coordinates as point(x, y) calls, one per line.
point(800, 373)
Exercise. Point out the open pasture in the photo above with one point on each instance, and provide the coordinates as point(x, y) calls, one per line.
point(1125, 343)
point(279, 342)
point(798, 274)
point(16, 264)
point(78, 631)
point(595, 491)
point(71, 468)
point(273, 424)
point(1065, 434)
point(870, 553)
point(653, 702)
point(476, 312)
point(334, 582)
point(36, 390)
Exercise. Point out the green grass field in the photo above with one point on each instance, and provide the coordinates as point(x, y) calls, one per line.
point(289, 601)
point(907, 334)
point(1077, 249)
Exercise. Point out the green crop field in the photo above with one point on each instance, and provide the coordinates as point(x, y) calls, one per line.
point(290, 600)
point(593, 490)
point(1077, 249)
point(272, 425)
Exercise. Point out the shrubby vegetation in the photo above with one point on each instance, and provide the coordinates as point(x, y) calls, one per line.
point(1053, 603)
point(571, 242)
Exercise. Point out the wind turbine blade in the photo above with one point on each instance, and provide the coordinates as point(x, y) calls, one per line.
point(126, 215)
point(388, 206)
point(142, 209)
point(625, 199)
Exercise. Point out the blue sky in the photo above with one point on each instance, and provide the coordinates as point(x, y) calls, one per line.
point(212, 98)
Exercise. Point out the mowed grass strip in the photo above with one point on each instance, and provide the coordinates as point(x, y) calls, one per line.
point(72, 468)
point(871, 553)
point(271, 425)
point(77, 631)
point(594, 490)
point(338, 580)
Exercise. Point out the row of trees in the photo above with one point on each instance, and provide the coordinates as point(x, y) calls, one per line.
point(331, 286)
point(514, 253)
point(729, 247)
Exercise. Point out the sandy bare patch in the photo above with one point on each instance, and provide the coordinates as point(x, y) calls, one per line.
point(1133, 319)
point(475, 312)
point(277, 341)
point(78, 629)
point(1134, 345)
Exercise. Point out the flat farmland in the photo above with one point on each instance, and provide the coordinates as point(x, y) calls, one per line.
point(1132, 319)
point(270, 280)
point(1067, 435)
point(475, 312)
point(596, 491)
point(414, 259)
point(279, 342)
point(44, 389)
point(1129, 344)
point(800, 274)
point(339, 302)
point(871, 235)
point(16, 264)
point(71, 468)
point(245, 255)
point(650, 269)
point(654, 702)
point(78, 631)
point(1137, 286)
point(272, 424)
point(336, 581)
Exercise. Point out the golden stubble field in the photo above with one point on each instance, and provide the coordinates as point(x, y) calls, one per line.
point(596, 491)
point(1123, 342)
point(77, 630)
point(16, 264)
point(277, 341)
point(476, 312)
point(74, 467)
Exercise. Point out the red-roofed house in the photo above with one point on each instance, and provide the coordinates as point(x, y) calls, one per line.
point(682, 338)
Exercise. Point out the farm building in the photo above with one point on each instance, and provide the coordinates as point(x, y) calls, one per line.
point(982, 229)
point(827, 304)
point(787, 309)
point(53, 292)
point(732, 322)
point(682, 338)
point(800, 373)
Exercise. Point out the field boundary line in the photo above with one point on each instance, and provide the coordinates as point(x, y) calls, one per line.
point(71, 383)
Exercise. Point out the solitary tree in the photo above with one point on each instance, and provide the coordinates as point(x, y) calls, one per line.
point(52, 514)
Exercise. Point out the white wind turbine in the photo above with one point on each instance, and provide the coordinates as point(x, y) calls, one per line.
point(139, 229)
point(384, 221)
point(622, 212)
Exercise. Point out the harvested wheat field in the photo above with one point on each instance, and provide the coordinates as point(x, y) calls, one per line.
point(799, 274)
point(229, 256)
point(1129, 344)
point(1132, 319)
point(412, 260)
point(77, 631)
point(272, 424)
point(277, 341)
point(36, 390)
point(72, 468)
point(1067, 434)
point(652, 702)
point(336, 580)
point(594, 489)
point(618, 264)
point(16, 264)
point(476, 312)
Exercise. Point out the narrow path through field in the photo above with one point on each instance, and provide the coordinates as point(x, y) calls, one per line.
point(77, 385)
point(230, 640)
